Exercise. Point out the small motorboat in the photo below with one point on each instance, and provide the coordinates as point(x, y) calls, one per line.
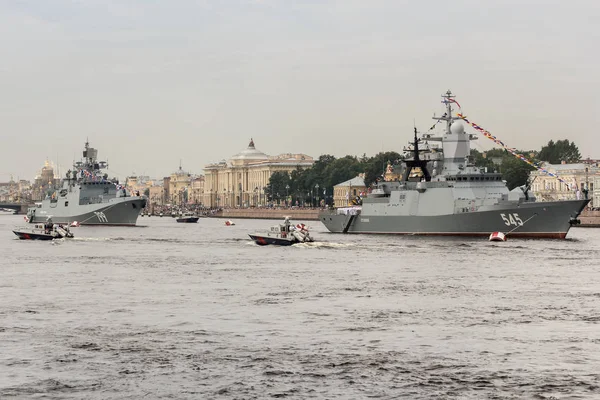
point(46, 231)
point(229, 223)
point(187, 217)
point(284, 234)
point(497, 237)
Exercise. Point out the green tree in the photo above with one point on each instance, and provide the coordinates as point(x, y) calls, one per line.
point(276, 189)
point(341, 170)
point(561, 150)
point(481, 159)
point(515, 171)
point(321, 165)
point(485, 159)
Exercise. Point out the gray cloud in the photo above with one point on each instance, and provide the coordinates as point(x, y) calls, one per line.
point(151, 83)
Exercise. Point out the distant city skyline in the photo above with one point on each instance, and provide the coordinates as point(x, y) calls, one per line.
point(153, 83)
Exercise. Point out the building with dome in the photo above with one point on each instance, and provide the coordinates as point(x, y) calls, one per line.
point(241, 181)
point(43, 182)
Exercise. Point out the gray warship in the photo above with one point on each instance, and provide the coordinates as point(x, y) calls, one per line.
point(88, 197)
point(441, 192)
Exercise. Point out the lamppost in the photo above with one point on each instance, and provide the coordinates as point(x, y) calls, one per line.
point(287, 189)
point(264, 190)
point(317, 193)
point(585, 191)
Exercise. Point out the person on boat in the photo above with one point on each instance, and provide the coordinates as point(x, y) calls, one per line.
point(49, 225)
point(286, 227)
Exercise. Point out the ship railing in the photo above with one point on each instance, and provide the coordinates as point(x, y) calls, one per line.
point(93, 200)
point(348, 210)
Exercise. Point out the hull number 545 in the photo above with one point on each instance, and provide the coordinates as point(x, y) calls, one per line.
point(511, 219)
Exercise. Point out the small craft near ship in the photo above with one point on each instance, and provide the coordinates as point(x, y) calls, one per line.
point(47, 231)
point(285, 234)
point(88, 196)
point(229, 223)
point(188, 217)
point(441, 192)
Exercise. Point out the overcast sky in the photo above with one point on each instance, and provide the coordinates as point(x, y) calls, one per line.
point(150, 82)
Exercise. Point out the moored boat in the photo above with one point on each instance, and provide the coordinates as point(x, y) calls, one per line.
point(188, 218)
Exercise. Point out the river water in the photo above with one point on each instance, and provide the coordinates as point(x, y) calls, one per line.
point(197, 311)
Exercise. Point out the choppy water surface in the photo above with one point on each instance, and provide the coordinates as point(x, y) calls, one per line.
point(169, 310)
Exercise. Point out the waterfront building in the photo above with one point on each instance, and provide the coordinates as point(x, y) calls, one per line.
point(137, 183)
point(345, 193)
point(242, 180)
point(579, 177)
point(196, 190)
point(179, 183)
point(166, 193)
point(44, 182)
point(8, 191)
point(156, 194)
point(595, 192)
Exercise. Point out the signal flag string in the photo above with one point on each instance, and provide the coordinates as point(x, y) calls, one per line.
point(488, 135)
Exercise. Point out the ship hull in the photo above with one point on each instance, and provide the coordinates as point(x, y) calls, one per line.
point(117, 212)
point(531, 220)
point(263, 240)
point(188, 220)
point(35, 236)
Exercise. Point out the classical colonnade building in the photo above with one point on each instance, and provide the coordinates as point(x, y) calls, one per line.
point(242, 180)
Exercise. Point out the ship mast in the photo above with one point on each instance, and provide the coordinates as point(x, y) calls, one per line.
point(416, 162)
point(448, 100)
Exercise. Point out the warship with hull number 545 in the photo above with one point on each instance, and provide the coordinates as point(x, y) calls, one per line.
point(88, 197)
point(441, 192)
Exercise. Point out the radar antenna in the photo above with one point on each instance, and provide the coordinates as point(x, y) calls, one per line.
point(416, 162)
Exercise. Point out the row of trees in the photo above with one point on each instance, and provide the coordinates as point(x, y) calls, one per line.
point(310, 185)
point(515, 171)
point(313, 184)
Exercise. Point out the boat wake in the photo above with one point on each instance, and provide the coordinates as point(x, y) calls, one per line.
point(94, 239)
point(323, 245)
